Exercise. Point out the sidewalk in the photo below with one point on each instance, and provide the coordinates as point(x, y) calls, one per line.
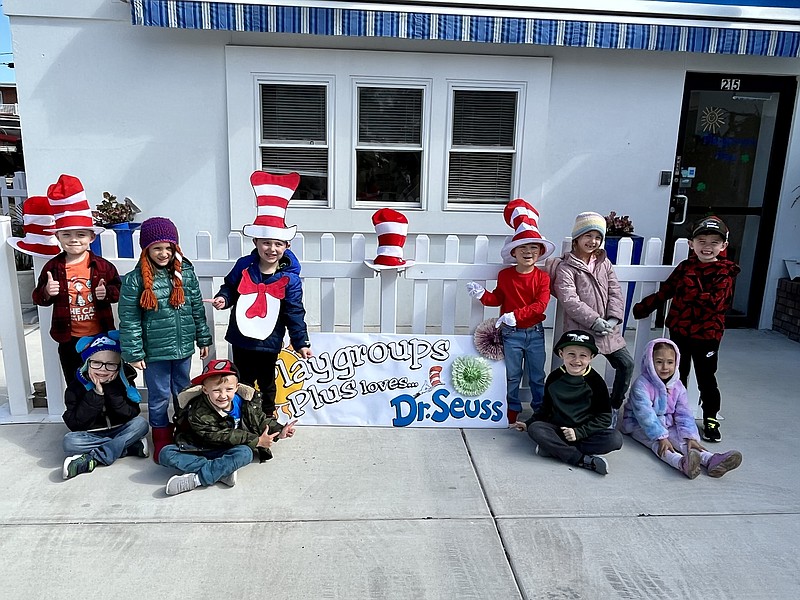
point(370, 513)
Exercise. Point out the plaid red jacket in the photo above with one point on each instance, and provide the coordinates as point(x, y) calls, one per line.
point(701, 295)
point(61, 324)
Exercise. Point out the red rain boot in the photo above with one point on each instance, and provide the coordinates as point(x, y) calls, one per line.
point(162, 436)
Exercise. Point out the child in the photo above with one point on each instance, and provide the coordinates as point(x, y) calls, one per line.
point(224, 426)
point(263, 313)
point(161, 317)
point(573, 422)
point(102, 409)
point(585, 284)
point(78, 284)
point(701, 288)
point(522, 293)
point(658, 416)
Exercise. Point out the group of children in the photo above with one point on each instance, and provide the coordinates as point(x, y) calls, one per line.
point(222, 423)
point(574, 418)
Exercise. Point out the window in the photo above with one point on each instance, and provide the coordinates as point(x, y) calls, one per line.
point(389, 153)
point(294, 136)
point(482, 147)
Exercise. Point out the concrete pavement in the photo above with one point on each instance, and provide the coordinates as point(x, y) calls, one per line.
point(369, 513)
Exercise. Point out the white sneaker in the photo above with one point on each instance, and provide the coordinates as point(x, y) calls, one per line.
point(178, 484)
point(229, 480)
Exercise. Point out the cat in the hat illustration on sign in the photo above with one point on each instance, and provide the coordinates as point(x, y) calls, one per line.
point(266, 290)
point(392, 229)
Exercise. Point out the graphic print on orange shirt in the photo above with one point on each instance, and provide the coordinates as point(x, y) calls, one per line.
point(81, 299)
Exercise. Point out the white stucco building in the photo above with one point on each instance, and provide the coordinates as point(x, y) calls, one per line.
point(442, 111)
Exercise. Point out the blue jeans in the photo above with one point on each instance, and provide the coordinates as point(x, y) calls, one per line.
point(165, 378)
point(211, 465)
point(528, 344)
point(106, 445)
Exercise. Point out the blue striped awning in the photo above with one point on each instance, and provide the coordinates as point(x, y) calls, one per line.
point(565, 30)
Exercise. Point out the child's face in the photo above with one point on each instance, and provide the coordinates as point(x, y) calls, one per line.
point(75, 241)
point(664, 363)
point(526, 255)
point(270, 251)
point(589, 242)
point(576, 359)
point(220, 390)
point(104, 366)
point(161, 253)
point(708, 246)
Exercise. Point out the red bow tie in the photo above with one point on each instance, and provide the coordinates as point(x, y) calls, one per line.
point(276, 289)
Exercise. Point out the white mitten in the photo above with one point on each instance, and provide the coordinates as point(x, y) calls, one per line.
point(507, 319)
point(600, 325)
point(475, 290)
point(612, 323)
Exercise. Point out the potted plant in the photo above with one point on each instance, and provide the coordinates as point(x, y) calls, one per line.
point(116, 215)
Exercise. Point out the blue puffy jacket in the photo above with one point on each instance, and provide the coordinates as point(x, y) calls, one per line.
point(291, 316)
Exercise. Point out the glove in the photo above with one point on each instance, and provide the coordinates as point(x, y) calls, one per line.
point(612, 323)
point(600, 326)
point(506, 319)
point(475, 290)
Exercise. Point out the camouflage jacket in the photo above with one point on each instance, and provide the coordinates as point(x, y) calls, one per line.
point(199, 426)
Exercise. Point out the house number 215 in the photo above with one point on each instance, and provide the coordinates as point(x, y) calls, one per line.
point(730, 84)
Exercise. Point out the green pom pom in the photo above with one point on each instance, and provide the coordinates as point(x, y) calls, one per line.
point(471, 375)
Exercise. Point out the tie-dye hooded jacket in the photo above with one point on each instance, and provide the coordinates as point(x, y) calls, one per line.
point(654, 406)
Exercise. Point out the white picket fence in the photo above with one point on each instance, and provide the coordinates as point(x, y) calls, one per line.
point(429, 287)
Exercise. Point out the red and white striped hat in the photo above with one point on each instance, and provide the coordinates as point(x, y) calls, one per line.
point(37, 223)
point(272, 197)
point(69, 205)
point(524, 220)
point(391, 227)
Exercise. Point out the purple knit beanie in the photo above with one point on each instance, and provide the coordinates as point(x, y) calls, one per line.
point(157, 229)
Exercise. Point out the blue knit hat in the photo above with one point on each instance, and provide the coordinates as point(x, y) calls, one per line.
point(91, 344)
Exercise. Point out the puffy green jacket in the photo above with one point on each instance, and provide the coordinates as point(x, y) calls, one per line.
point(167, 333)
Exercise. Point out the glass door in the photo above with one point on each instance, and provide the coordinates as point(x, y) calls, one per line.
point(729, 162)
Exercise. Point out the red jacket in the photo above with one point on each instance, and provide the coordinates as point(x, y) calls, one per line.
point(61, 324)
point(526, 295)
point(701, 295)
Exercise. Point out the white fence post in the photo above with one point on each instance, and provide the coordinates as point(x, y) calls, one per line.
point(12, 332)
point(358, 253)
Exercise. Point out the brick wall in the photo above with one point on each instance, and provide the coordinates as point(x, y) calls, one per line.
point(786, 319)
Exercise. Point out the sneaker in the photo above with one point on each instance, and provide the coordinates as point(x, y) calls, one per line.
point(710, 431)
point(542, 452)
point(75, 465)
point(178, 484)
point(690, 464)
point(598, 464)
point(724, 462)
point(139, 448)
point(229, 480)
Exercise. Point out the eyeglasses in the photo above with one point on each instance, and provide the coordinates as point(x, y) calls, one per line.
point(108, 366)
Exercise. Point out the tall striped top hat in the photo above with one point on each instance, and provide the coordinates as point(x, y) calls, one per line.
point(524, 220)
point(37, 222)
point(69, 205)
point(272, 197)
point(392, 229)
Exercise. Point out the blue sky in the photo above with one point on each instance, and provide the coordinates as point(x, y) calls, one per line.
point(6, 74)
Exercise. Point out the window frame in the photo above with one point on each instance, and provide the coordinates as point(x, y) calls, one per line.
point(518, 87)
point(288, 79)
point(394, 83)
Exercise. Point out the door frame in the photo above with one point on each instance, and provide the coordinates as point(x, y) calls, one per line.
point(787, 87)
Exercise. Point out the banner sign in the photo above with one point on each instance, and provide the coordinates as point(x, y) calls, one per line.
point(392, 380)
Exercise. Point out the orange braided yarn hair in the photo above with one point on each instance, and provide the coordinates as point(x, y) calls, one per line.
point(177, 298)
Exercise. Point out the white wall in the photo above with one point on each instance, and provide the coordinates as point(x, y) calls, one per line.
point(142, 112)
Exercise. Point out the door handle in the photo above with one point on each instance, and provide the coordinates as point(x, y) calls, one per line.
point(678, 206)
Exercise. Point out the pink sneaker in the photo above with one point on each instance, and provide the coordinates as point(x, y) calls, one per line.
point(690, 464)
point(723, 462)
